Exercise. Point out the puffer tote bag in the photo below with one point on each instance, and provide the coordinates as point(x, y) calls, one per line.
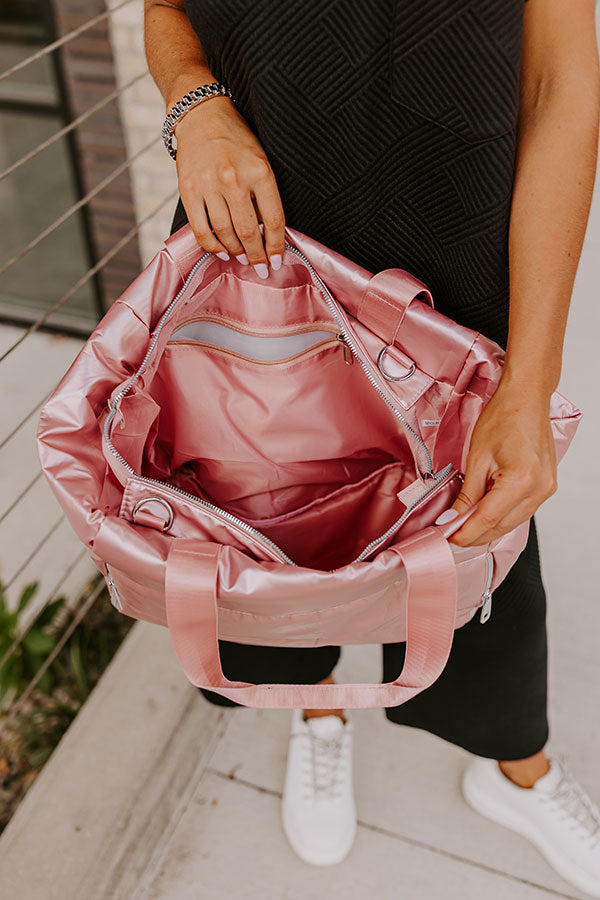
point(261, 461)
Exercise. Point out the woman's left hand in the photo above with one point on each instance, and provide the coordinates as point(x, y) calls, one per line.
point(512, 446)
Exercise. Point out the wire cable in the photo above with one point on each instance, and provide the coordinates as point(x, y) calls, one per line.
point(51, 597)
point(61, 41)
point(89, 274)
point(76, 206)
point(73, 124)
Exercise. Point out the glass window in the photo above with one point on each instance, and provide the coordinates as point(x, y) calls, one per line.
point(33, 197)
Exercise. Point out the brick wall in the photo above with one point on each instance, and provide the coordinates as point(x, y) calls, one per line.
point(153, 176)
point(90, 76)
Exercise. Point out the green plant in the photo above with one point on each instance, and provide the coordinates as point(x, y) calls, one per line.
point(31, 732)
point(28, 655)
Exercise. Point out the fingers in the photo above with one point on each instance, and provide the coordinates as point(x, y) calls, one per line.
point(518, 514)
point(271, 212)
point(223, 172)
point(474, 485)
point(200, 225)
point(511, 501)
point(222, 225)
point(246, 225)
point(494, 507)
point(228, 224)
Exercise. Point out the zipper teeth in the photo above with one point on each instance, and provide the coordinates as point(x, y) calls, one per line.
point(127, 387)
point(438, 477)
point(206, 505)
point(129, 384)
point(222, 513)
point(331, 304)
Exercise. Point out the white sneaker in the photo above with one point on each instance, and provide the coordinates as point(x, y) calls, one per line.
point(318, 808)
point(555, 814)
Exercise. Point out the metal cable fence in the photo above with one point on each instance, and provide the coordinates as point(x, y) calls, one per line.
point(19, 429)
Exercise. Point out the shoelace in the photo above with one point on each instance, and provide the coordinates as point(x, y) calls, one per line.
point(323, 765)
point(571, 798)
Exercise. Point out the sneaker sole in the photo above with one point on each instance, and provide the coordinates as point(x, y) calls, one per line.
point(515, 822)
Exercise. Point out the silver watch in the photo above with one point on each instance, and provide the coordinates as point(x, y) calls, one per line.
point(187, 102)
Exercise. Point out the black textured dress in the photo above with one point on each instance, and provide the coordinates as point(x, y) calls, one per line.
point(391, 130)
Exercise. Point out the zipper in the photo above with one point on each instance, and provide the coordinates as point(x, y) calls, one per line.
point(234, 325)
point(348, 340)
point(349, 345)
point(307, 328)
point(286, 360)
point(486, 597)
point(443, 474)
point(114, 595)
point(348, 358)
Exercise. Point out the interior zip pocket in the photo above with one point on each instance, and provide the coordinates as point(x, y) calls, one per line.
point(265, 348)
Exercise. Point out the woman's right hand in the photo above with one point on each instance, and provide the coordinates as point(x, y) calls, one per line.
point(227, 186)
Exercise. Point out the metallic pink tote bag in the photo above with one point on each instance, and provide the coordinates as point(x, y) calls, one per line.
point(261, 461)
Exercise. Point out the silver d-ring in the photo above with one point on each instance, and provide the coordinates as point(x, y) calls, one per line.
point(167, 506)
point(410, 372)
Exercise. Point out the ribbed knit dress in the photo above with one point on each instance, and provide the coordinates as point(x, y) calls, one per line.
point(391, 130)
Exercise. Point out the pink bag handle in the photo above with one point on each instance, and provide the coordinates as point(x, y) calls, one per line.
point(386, 299)
point(191, 600)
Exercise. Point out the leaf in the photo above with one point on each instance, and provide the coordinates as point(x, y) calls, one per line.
point(38, 642)
point(78, 669)
point(27, 594)
point(45, 683)
point(49, 612)
point(8, 623)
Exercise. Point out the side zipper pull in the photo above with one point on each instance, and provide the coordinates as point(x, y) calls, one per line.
point(486, 609)
point(114, 596)
point(348, 358)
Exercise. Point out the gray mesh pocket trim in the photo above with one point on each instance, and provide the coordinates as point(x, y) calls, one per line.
point(265, 349)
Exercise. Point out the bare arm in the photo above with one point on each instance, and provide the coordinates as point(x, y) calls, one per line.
point(555, 168)
point(225, 180)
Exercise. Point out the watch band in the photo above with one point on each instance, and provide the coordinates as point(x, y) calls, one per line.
point(187, 102)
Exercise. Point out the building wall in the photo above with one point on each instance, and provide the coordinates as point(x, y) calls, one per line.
point(153, 176)
point(89, 71)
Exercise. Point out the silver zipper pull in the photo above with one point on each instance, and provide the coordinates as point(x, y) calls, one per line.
point(486, 609)
point(348, 358)
point(114, 595)
point(486, 597)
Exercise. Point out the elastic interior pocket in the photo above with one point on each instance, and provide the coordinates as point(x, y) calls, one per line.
point(332, 530)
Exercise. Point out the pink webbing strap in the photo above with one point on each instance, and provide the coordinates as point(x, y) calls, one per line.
point(191, 600)
point(385, 300)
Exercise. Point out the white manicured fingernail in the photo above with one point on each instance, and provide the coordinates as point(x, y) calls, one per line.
point(223, 255)
point(446, 516)
point(276, 261)
point(243, 259)
point(261, 270)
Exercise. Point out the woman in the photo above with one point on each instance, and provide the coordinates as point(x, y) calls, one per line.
point(443, 137)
